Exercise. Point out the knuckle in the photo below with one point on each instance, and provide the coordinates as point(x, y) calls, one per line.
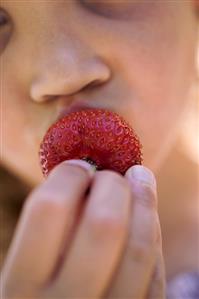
point(114, 178)
point(44, 203)
point(158, 287)
point(147, 196)
point(101, 225)
point(158, 275)
point(139, 253)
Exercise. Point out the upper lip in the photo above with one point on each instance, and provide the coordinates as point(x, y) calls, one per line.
point(77, 106)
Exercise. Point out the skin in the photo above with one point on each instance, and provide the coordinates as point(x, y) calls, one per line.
point(76, 38)
point(143, 58)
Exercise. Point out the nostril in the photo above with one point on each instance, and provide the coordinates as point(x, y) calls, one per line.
point(50, 97)
point(92, 84)
point(88, 86)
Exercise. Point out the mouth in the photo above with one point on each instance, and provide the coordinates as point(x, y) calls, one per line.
point(77, 106)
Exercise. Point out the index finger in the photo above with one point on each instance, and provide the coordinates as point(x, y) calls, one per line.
point(45, 224)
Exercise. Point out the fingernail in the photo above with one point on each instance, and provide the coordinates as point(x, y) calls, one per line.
point(141, 174)
point(81, 163)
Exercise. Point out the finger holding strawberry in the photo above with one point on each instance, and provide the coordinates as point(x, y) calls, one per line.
point(141, 273)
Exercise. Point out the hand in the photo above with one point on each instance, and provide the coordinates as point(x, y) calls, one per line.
point(70, 245)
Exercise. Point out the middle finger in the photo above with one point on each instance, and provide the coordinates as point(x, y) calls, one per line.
point(100, 238)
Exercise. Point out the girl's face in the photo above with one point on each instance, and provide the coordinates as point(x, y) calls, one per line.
point(136, 58)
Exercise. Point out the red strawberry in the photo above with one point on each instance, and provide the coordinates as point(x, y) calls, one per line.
point(99, 136)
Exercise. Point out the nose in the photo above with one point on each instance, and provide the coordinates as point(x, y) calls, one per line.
point(66, 73)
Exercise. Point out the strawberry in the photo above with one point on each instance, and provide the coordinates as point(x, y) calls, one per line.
point(101, 137)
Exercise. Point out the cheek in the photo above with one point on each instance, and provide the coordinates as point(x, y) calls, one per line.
point(160, 70)
point(20, 140)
